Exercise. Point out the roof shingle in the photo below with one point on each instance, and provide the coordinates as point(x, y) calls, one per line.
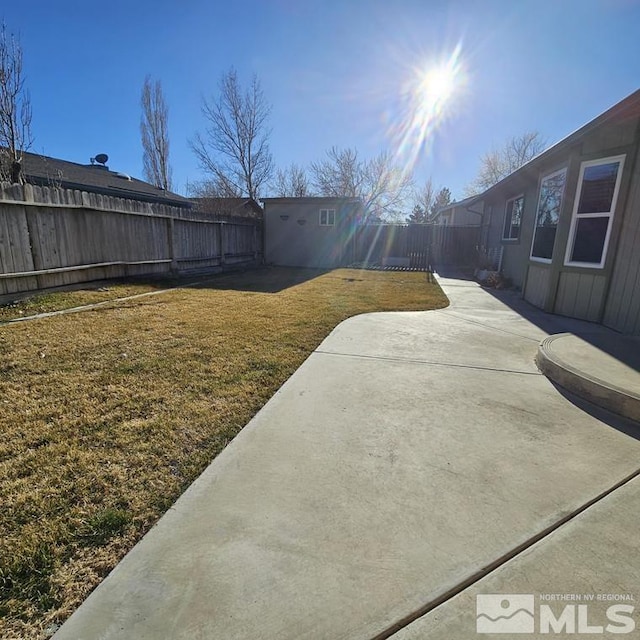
point(47, 171)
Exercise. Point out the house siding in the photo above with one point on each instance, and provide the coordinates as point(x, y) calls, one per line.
point(609, 295)
point(464, 218)
point(613, 135)
point(580, 295)
point(537, 287)
point(515, 256)
point(622, 309)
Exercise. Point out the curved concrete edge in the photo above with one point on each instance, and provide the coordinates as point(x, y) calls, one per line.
point(603, 394)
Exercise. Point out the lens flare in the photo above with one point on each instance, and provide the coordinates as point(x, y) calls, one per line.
point(429, 98)
point(436, 87)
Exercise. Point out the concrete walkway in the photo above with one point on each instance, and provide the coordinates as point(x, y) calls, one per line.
point(408, 457)
point(603, 368)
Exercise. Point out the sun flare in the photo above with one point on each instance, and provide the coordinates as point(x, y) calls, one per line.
point(432, 94)
point(438, 85)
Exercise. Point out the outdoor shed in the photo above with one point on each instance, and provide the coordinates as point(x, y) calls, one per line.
point(310, 232)
point(567, 223)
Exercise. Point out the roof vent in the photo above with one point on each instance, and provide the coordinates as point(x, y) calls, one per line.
point(124, 176)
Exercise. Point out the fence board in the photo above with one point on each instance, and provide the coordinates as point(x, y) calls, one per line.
point(418, 246)
point(67, 243)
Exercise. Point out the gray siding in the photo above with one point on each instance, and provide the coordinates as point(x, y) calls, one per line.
point(461, 216)
point(295, 238)
point(537, 287)
point(515, 256)
point(610, 136)
point(609, 293)
point(622, 310)
point(493, 223)
point(580, 295)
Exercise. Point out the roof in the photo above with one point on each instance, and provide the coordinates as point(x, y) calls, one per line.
point(454, 204)
point(626, 108)
point(47, 171)
point(313, 199)
point(243, 207)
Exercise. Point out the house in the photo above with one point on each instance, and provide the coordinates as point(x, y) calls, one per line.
point(95, 178)
point(311, 232)
point(457, 213)
point(229, 208)
point(567, 223)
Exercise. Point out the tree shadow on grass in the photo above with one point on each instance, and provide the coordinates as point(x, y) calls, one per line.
point(260, 280)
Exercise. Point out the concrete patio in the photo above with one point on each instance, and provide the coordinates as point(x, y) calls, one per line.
point(414, 460)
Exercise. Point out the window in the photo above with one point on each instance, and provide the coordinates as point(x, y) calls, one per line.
point(327, 217)
point(513, 218)
point(595, 204)
point(547, 215)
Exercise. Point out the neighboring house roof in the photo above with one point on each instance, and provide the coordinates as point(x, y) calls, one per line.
point(627, 108)
point(454, 205)
point(233, 207)
point(312, 199)
point(97, 178)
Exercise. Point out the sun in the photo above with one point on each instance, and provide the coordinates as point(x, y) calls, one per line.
point(437, 85)
point(432, 93)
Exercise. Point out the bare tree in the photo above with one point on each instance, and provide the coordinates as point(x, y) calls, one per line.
point(155, 134)
point(213, 188)
point(499, 163)
point(382, 186)
point(234, 149)
point(15, 108)
point(340, 174)
point(428, 201)
point(423, 199)
point(292, 182)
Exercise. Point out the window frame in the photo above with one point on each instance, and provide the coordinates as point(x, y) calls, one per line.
point(504, 221)
point(328, 216)
point(548, 176)
point(575, 216)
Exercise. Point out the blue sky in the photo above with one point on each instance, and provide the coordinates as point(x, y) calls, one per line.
point(334, 72)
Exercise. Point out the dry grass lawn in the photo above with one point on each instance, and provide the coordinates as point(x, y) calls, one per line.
point(44, 303)
point(108, 415)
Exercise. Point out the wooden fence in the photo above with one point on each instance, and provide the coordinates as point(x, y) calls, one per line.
point(53, 237)
point(453, 246)
point(416, 246)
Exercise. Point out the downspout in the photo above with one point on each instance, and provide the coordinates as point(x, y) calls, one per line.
point(482, 224)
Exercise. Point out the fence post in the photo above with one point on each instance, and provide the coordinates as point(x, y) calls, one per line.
point(255, 244)
point(221, 243)
point(171, 244)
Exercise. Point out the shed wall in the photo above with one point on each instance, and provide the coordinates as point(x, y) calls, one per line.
point(295, 238)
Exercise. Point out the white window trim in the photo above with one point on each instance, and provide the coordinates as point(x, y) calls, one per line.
point(327, 223)
point(506, 209)
point(535, 219)
point(603, 214)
